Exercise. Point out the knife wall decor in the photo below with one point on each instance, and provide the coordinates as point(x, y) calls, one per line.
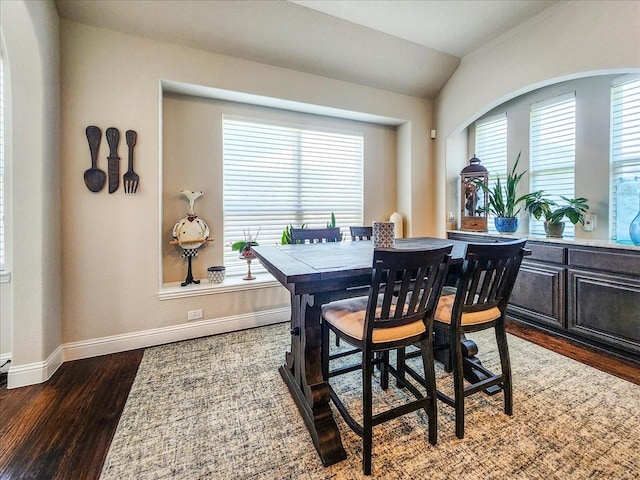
point(113, 160)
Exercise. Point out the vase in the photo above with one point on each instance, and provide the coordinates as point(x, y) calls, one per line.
point(634, 229)
point(383, 234)
point(554, 229)
point(506, 224)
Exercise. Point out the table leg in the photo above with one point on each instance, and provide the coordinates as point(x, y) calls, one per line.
point(302, 373)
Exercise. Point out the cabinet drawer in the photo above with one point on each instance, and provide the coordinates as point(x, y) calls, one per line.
point(617, 261)
point(547, 253)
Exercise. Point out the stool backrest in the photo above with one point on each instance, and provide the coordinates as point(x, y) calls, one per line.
point(405, 287)
point(488, 275)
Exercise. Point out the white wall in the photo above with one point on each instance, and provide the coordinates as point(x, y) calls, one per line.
point(30, 34)
point(572, 39)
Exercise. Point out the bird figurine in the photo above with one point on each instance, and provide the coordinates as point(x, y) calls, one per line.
point(192, 197)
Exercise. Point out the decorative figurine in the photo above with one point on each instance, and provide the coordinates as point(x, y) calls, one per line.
point(244, 247)
point(190, 233)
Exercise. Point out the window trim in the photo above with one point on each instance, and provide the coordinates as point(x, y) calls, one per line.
point(293, 133)
point(536, 226)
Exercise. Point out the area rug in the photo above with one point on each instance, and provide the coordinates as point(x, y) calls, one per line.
point(217, 408)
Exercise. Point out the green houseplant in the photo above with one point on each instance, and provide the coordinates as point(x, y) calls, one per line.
point(503, 202)
point(244, 246)
point(540, 206)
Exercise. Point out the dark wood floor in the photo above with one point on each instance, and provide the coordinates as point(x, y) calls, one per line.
point(62, 429)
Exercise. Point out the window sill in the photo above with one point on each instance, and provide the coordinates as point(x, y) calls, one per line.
point(5, 277)
point(170, 291)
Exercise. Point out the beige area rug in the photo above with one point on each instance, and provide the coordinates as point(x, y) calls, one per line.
point(217, 408)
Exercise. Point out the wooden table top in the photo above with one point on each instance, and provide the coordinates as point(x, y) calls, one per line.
point(333, 263)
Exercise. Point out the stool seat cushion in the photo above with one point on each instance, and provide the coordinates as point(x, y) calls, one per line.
point(348, 316)
point(445, 305)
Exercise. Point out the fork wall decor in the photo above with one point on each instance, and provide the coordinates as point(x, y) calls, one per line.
point(95, 178)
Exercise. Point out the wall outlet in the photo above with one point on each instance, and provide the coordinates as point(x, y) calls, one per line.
point(194, 314)
point(590, 220)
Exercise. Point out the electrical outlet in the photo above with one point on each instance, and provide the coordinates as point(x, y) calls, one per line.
point(194, 314)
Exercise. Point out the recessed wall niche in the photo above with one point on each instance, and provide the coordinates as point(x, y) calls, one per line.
point(192, 160)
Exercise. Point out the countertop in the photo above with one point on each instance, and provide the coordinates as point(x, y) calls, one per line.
point(587, 242)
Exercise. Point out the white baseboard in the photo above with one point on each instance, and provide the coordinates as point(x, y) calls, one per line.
point(30, 374)
point(37, 372)
point(4, 357)
point(174, 333)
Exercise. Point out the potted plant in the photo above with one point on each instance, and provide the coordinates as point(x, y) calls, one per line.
point(503, 203)
point(540, 206)
point(244, 246)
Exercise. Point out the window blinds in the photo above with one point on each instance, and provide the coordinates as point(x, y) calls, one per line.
point(552, 152)
point(278, 175)
point(491, 149)
point(625, 153)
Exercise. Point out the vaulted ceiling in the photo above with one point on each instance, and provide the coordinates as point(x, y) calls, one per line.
point(409, 47)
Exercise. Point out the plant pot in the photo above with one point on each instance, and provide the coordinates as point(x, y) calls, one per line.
point(554, 230)
point(506, 224)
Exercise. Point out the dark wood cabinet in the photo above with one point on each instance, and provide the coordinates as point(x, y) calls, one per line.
point(604, 297)
point(548, 305)
point(589, 293)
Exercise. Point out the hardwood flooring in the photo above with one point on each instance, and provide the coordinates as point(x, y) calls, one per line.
point(612, 364)
point(62, 429)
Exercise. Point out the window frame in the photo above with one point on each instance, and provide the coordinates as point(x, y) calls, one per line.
point(312, 210)
point(548, 118)
point(492, 151)
point(624, 166)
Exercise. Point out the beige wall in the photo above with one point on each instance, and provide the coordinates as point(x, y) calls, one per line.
point(572, 39)
point(30, 35)
point(111, 275)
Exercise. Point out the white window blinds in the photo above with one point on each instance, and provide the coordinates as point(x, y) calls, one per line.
point(625, 154)
point(552, 152)
point(277, 175)
point(491, 149)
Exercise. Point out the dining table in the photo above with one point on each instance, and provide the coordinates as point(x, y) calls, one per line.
point(316, 274)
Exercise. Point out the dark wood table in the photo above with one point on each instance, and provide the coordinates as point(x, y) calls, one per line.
point(316, 274)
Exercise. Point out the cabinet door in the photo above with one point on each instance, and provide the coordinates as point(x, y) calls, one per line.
point(539, 294)
point(605, 307)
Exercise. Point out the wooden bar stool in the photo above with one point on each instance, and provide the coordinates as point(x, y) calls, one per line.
point(480, 302)
point(405, 287)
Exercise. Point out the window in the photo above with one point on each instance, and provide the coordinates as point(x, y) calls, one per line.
point(552, 152)
point(277, 175)
point(625, 155)
point(491, 149)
